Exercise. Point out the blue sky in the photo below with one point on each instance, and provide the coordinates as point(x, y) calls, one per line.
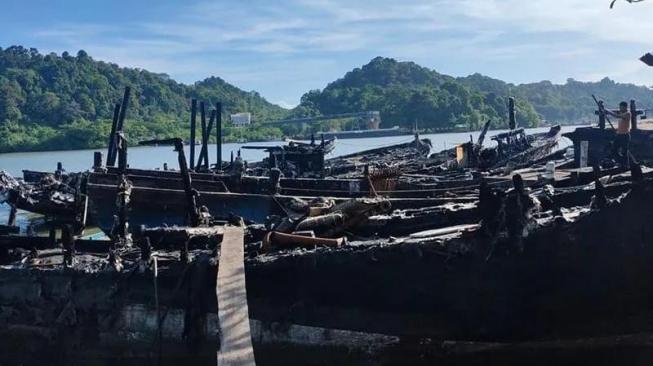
point(285, 48)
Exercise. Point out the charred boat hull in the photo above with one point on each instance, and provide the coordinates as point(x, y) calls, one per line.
point(587, 275)
point(156, 207)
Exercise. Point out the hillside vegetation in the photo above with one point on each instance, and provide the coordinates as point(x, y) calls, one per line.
point(408, 94)
point(53, 102)
point(66, 102)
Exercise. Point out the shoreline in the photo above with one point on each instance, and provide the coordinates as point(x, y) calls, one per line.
point(136, 146)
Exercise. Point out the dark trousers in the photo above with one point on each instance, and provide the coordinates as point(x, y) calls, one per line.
point(620, 148)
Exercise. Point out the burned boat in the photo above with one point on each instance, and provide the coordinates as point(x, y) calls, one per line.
point(403, 173)
point(421, 290)
point(162, 199)
point(514, 148)
point(448, 271)
point(296, 159)
point(394, 155)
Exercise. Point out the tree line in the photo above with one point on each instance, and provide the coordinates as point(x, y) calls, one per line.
point(408, 94)
point(66, 102)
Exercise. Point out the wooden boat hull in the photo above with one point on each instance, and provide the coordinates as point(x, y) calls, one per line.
point(157, 207)
point(591, 276)
point(599, 144)
point(587, 277)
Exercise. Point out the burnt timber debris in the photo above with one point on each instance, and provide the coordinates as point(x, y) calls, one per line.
point(390, 251)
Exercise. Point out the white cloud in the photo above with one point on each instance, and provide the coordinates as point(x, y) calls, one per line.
point(627, 71)
point(310, 42)
point(588, 17)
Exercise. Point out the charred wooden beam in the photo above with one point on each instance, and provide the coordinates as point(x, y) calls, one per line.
point(12, 216)
point(218, 136)
point(601, 113)
point(511, 113)
point(68, 242)
point(123, 199)
point(122, 151)
point(176, 237)
point(25, 242)
point(8, 229)
point(203, 136)
point(111, 160)
point(481, 137)
point(97, 160)
point(633, 114)
point(112, 134)
point(190, 193)
point(203, 162)
point(123, 108)
point(209, 128)
point(284, 241)
point(193, 127)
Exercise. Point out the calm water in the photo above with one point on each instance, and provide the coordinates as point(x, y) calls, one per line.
point(154, 157)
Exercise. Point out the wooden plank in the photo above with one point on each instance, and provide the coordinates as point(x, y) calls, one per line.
point(236, 340)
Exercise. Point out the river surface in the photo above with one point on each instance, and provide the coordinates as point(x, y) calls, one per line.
point(154, 157)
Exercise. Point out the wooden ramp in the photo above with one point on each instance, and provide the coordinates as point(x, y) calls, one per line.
point(236, 340)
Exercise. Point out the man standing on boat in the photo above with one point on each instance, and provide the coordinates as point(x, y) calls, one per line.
point(622, 140)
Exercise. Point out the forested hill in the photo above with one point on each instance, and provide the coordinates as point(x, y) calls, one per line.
point(407, 93)
point(50, 101)
point(66, 102)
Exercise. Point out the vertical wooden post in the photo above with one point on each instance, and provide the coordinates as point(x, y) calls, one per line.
point(203, 161)
point(122, 152)
point(212, 120)
point(12, 216)
point(97, 160)
point(203, 133)
point(123, 108)
point(601, 115)
point(68, 241)
point(114, 126)
point(218, 135)
point(633, 114)
point(124, 192)
point(52, 235)
point(186, 179)
point(111, 160)
point(584, 154)
point(193, 126)
point(511, 113)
